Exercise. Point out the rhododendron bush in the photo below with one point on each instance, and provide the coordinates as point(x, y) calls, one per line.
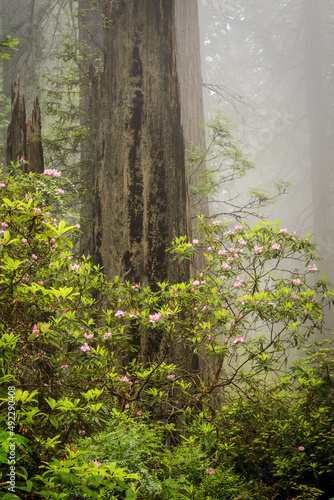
point(71, 342)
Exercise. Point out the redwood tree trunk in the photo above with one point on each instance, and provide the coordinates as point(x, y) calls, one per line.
point(139, 186)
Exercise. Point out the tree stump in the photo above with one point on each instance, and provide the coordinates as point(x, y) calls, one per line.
point(24, 135)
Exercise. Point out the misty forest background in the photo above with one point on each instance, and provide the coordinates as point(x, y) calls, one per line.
point(173, 338)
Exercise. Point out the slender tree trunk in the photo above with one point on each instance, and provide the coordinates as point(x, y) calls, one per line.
point(91, 36)
point(139, 187)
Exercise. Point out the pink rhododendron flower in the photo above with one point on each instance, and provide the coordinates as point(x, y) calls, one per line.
point(296, 282)
point(64, 367)
point(225, 266)
point(238, 227)
point(60, 191)
point(222, 252)
point(119, 314)
point(85, 347)
point(238, 283)
point(171, 376)
point(230, 232)
point(88, 336)
point(75, 267)
point(127, 406)
point(283, 230)
point(125, 379)
point(276, 246)
point(210, 470)
point(82, 433)
point(154, 317)
point(53, 172)
point(313, 268)
point(195, 283)
point(24, 240)
point(301, 448)
point(4, 224)
point(239, 340)
point(34, 256)
point(210, 249)
point(96, 463)
point(2, 185)
point(195, 242)
point(258, 249)
point(107, 335)
point(216, 223)
point(35, 329)
point(40, 282)
point(242, 241)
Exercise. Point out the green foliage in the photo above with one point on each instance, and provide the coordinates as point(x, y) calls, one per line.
point(8, 43)
point(92, 417)
point(222, 161)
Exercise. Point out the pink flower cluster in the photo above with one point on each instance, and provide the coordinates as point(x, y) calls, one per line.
point(238, 283)
point(88, 336)
point(154, 317)
point(239, 340)
point(85, 347)
point(258, 249)
point(35, 330)
point(50, 171)
point(75, 267)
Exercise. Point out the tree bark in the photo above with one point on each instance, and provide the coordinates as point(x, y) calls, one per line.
point(139, 186)
point(24, 136)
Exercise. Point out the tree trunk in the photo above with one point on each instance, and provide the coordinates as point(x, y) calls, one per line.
point(139, 187)
point(191, 87)
point(91, 36)
point(24, 137)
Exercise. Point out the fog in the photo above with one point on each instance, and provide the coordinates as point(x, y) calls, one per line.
point(268, 66)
